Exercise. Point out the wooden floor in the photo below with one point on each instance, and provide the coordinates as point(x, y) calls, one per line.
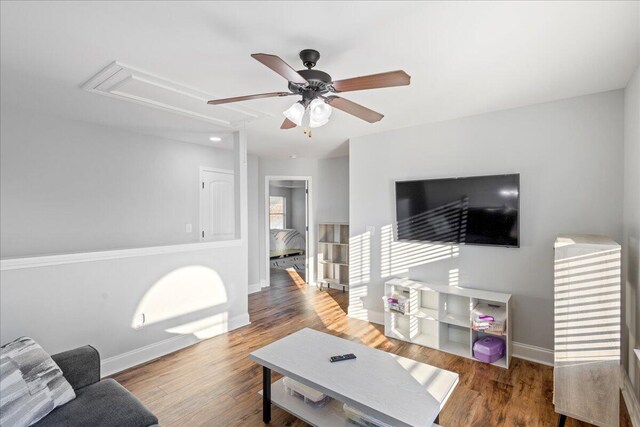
point(213, 383)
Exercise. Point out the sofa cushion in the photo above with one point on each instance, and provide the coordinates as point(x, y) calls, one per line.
point(31, 384)
point(105, 403)
point(80, 366)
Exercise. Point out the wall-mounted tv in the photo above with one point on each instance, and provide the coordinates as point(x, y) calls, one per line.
point(478, 210)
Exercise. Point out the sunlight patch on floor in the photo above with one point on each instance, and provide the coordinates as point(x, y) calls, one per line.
point(296, 278)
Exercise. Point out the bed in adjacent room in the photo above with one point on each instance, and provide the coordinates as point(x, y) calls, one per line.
point(287, 249)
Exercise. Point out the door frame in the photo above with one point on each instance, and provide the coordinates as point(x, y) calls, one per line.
point(200, 181)
point(310, 252)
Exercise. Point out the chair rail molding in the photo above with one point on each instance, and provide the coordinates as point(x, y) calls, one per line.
point(48, 260)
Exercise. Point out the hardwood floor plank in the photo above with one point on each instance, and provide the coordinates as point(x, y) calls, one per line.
point(213, 383)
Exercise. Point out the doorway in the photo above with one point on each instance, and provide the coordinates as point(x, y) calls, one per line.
point(288, 234)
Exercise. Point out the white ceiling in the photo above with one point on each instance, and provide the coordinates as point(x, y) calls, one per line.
point(465, 58)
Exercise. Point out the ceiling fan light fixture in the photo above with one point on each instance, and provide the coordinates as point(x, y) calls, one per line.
point(319, 113)
point(317, 123)
point(295, 113)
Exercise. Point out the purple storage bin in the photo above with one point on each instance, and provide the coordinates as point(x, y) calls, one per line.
point(488, 349)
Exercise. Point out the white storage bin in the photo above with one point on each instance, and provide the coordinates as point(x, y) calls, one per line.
point(396, 303)
point(361, 419)
point(310, 396)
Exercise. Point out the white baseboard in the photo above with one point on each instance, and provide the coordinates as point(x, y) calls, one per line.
point(256, 287)
point(630, 398)
point(114, 364)
point(263, 283)
point(532, 353)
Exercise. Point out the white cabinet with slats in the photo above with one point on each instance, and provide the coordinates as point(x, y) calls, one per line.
point(587, 329)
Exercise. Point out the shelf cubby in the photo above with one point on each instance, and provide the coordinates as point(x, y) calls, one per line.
point(429, 332)
point(344, 233)
point(455, 339)
point(455, 310)
point(475, 302)
point(326, 233)
point(429, 299)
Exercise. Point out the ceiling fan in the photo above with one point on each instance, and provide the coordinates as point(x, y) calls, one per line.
point(316, 88)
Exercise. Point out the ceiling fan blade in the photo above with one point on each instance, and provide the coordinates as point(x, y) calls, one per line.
point(287, 124)
point(279, 66)
point(373, 81)
point(248, 97)
point(354, 109)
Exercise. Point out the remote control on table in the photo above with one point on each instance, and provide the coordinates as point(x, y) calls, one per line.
point(342, 357)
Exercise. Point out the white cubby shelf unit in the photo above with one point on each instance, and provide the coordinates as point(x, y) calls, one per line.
point(439, 317)
point(333, 254)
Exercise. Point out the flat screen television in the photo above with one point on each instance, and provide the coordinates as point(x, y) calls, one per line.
point(478, 210)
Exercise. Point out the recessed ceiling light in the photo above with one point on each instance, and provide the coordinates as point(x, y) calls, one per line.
point(215, 139)
point(293, 156)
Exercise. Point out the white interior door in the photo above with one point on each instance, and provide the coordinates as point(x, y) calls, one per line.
point(217, 205)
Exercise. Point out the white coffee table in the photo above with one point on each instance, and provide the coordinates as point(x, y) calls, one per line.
point(391, 388)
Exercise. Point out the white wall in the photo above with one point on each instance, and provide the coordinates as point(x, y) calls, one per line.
point(70, 305)
point(187, 292)
point(330, 195)
point(253, 218)
point(631, 239)
point(70, 186)
point(569, 156)
point(298, 208)
point(333, 190)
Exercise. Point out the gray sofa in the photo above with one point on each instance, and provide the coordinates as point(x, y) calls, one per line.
point(98, 402)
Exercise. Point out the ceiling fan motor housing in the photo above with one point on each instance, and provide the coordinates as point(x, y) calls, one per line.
point(318, 81)
point(309, 57)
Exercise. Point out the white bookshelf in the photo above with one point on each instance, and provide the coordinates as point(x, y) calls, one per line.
point(440, 317)
point(333, 254)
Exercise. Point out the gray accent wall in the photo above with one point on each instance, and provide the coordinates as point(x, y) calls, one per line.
point(569, 155)
point(70, 186)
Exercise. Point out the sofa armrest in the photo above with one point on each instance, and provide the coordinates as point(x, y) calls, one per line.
point(81, 366)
